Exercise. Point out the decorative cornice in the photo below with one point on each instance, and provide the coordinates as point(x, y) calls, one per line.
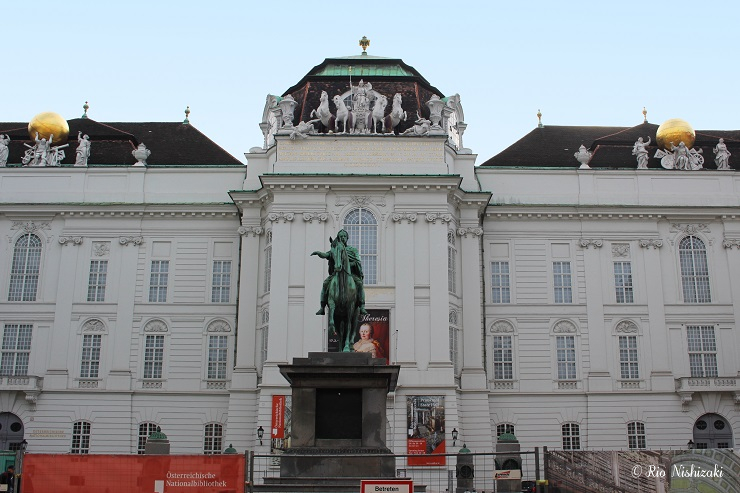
point(360, 200)
point(502, 326)
point(250, 230)
point(689, 228)
point(280, 217)
point(651, 243)
point(731, 243)
point(564, 326)
point(433, 217)
point(70, 240)
point(586, 243)
point(626, 326)
point(465, 232)
point(134, 240)
point(409, 217)
point(319, 217)
point(620, 250)
point(30, 226)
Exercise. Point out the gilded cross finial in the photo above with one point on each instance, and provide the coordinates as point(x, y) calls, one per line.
point(187, 116)
point(539, 118)
point(644, 114)
point(85, 107)
point(364, 43)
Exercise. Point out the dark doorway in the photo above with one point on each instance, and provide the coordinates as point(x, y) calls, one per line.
point(11, 431)
point(712, 431)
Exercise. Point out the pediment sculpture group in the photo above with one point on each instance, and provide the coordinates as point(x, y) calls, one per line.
point(679, 157)
point(361, 111)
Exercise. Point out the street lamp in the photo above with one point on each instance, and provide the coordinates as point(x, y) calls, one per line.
point(690, 445)
point(454, 436)
point(260, 434)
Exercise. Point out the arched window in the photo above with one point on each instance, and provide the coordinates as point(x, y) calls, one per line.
point(24, 273)
point(145, 429)
point(213, 437)
point(502, 428)
point(694, 270)
point(636, 435)
point(571, 436)
point(363, 234)
point(81, 437)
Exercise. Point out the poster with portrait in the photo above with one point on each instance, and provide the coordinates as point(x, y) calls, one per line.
point(373, 335)
point(425, 418)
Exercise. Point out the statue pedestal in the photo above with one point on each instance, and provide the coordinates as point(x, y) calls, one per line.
point(339, 416)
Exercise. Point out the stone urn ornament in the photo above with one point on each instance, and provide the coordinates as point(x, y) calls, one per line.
point(141, 154)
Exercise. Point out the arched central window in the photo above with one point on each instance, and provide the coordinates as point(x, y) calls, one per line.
point(363, 234)
point(694, 270)
point(24, 273)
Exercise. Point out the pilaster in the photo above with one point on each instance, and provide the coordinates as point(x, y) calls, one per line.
point(405, 313)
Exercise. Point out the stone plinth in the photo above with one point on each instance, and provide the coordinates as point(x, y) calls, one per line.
point(339, 416)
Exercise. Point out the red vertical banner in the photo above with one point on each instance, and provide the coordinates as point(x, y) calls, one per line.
point(278, 417)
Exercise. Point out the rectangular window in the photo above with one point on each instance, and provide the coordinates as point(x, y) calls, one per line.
point(504, 428)
point(702, 351)
point(562, 282)
point(153, 356)
point(221, 286)
point(16, 350)
point(213, 438)
point(268, 267)
point(623, 282)
point(217, 354)
point(80, 437)
point(90, 365)
point(636, 435)
point(500, 291)
point(97, 280)
point(451, 270)
point(158, 281)
point(454, 350)
point(628, 357)
point(503, 363)
point(571, 436)
point(566, 353)
point(265, 334)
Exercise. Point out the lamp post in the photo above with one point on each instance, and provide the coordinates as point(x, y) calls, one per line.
point(454, 436)
point(260, 434)
point(690, 445)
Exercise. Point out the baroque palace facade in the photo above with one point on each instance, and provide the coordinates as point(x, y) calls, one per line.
point(580, 299)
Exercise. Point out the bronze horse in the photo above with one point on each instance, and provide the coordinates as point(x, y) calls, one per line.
point(342, 298)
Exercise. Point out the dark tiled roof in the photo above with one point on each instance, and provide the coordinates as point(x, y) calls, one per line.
point(171, 143)
point(554, 146)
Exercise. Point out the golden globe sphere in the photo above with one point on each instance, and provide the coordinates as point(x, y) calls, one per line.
point(675, 131)
point(49, 123)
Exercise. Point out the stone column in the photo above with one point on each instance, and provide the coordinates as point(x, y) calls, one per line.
point(439, 298)
point(315, 271)
point(661, 376)
point(473, 376)
point(405, 316)
point(599, 378)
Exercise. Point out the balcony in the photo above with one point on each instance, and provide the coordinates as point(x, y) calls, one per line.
point(30, 384)
point(686, 386)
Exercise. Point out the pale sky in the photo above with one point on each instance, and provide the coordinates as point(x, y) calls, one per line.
point(581, 63)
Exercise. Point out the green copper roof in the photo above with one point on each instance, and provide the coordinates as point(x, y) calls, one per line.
point(364, 70)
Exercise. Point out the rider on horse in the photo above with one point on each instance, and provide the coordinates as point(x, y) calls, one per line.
point(355, 267)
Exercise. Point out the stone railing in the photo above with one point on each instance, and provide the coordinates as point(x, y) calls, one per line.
point(713, 384)
point(24, 382)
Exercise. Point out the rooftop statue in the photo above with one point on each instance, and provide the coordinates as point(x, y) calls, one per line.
point(583, 156)
point(640, 151)
point(397, 114)
point(421, 126)
point(361, 96)
point(721, 155)
point(322, 113)
point(379, 113)
point(342, 292)
point(343, 115)
point(83, 149)
point(42, 153)
point(681, 157)
point(4, 151)
point(302, 130)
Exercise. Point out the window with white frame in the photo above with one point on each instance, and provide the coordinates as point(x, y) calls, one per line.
point(213, 438)
point(562, 282)
point(362, 228)
point(217, 356)
point(500, 290)
point(145, 429)
point(81, 437)
point(153, 356)
point(503, 359)
point(264, 336)
point(504, 428)
point(97, 280)
point(628, 365)
point(566, 355)
point(221, 285)
point(90, 364)
point(24, 271)
point(268, 260)
point(694, 270)
point(16, 349)
point(451, 263)
point(623, 282)
point(454, 342)
point(158, 279)
point(636, 435)
point(702, 351)
point(571, 436)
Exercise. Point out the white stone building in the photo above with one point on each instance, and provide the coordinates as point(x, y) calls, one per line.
point(592, 308)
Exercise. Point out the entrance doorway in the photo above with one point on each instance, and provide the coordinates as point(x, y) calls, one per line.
point(11, 431)
point(712, 431)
